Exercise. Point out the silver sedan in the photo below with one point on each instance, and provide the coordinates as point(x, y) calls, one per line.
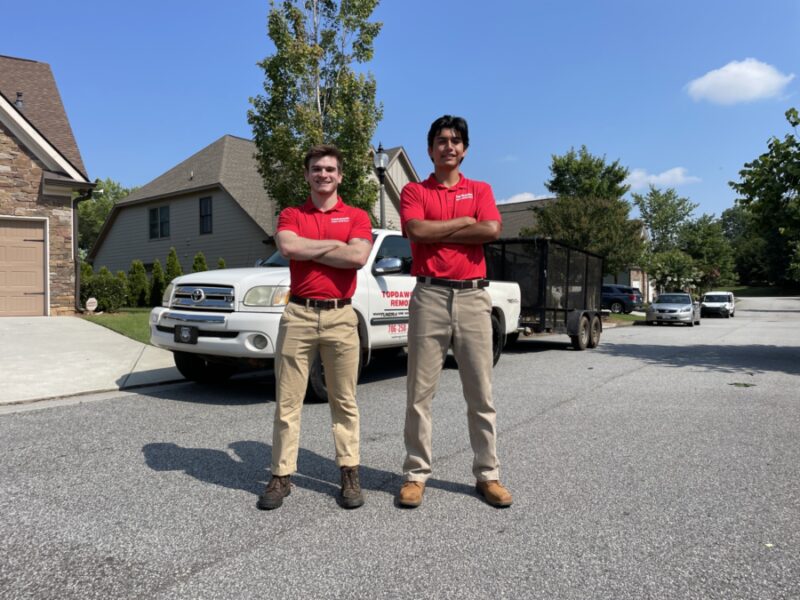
point(674, 308)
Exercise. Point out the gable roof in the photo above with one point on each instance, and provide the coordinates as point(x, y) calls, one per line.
point(519, 215)
point(41, 104)
point(229, 163)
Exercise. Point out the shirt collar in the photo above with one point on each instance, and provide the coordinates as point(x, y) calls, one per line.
point(309, 206)
point(433, 183)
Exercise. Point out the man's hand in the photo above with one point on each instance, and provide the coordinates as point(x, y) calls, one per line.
point(294, 247)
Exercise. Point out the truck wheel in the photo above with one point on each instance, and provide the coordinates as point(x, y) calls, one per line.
point(595, 329)
point(198, 369)
point(498, 339)
point(317, 389)
point(511, 338)
point(581, 340)
point(617, 308)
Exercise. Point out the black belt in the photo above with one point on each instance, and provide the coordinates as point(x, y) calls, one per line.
point(459, 284)
point(323, 304)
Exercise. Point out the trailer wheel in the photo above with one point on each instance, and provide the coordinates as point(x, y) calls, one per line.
point(498, 339)
point(595, 329)
point(581, 340)
point(195, 368)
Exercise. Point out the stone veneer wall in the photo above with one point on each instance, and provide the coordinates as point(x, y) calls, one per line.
point(21, 196)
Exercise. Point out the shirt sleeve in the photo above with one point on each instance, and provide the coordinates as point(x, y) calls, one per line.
point(410, 205)
point(362, 227)
point(486, 205)
point(287, 221)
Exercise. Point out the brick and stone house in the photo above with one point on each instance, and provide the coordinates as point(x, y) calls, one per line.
point(213, 202)
point(40, 172)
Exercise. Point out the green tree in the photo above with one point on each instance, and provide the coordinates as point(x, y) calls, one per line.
point(173, 265)
point(749, 248)
point(221, 263)
point(672, 270)
point(704, 240)
point(664, 214)
point(92, 213)
point(137, 284)
point(158, 283)
point(199, 263)
point(769, 187)
point(583, 175)
point(599, 225)
point(313, 95)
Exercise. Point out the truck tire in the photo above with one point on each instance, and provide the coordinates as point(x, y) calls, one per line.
point(617, 307)
point(498, 339)
point(595, 329)
point(196, 368)
point(317, 389)
point(581, 340)
point(511, 338)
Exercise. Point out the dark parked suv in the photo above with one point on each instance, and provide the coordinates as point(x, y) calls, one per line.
point(621, 298)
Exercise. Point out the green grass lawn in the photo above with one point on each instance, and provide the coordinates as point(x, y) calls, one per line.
point(131, 322)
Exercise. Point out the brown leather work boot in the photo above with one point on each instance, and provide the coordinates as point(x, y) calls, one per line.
point(277, 489)
point(410, 494)
point(494, 493)
point(350, 495)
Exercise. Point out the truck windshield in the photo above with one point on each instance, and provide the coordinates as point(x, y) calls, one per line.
point(276, 260)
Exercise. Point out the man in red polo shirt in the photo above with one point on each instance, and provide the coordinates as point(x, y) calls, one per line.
point(448, 218)
point(327, 241)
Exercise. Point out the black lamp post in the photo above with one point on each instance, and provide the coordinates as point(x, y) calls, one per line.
point(381, 161)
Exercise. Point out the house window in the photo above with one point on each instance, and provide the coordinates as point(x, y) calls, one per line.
point(159, 222)
point(205, 215)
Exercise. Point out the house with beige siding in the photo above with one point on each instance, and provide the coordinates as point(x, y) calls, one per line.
point(42, 178)
point(213, 202)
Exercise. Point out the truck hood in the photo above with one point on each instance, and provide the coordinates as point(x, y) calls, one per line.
point(243, 279)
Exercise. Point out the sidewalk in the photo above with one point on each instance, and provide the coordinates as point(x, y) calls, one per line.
point(53, 357)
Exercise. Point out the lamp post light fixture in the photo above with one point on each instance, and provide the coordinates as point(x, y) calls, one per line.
point(381, 161)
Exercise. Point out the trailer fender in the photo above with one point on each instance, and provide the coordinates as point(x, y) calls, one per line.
point(574, 320)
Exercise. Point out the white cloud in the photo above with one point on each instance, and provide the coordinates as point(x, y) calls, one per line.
point(744, 81)
point(639, 178)
point(523, 197)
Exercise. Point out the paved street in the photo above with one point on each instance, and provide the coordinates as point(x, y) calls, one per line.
point(664, 464)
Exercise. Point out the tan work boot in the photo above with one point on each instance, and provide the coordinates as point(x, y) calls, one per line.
point(494, 493)
point(410, 494)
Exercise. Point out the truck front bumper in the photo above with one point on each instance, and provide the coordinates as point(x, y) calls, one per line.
point(235, 335)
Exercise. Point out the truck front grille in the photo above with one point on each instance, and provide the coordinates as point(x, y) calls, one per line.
point(204, 297)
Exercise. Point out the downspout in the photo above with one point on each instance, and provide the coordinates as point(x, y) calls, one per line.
point(87, 193)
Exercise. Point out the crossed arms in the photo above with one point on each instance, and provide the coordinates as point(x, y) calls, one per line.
point(461, 230)
point(333, 253)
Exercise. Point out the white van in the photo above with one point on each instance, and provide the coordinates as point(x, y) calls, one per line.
point(718, 303)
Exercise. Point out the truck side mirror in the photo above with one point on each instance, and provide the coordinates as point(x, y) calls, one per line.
point(388, 265)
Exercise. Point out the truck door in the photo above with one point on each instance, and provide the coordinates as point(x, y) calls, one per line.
point(390, 294)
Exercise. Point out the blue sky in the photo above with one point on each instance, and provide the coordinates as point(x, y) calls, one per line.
point(683, 93)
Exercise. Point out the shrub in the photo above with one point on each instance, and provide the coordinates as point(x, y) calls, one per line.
point(221, 263)
point(157, 284)
point(123, 277)
point(199, 263)
point(107, 289)
point(173, 265)
point(137, 284)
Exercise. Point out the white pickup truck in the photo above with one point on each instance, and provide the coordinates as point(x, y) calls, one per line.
point(219, 322)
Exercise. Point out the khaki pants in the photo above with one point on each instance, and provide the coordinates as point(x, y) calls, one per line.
point(437, 316)
point(304, 331)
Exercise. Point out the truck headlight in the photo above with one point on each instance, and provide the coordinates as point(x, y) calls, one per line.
point(267, 295)
point(167, 295)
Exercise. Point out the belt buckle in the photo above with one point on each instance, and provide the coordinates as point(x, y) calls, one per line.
point(333, 303)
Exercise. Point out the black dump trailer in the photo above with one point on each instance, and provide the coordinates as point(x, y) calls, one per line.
point(561, 286)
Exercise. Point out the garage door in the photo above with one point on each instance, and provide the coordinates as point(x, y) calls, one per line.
point(21, 268)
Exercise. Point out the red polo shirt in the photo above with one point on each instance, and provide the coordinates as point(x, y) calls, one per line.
point(431, 201)
point(311, 279)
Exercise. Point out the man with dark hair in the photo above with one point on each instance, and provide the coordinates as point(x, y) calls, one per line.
point(327, 241)
point(448, 218)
